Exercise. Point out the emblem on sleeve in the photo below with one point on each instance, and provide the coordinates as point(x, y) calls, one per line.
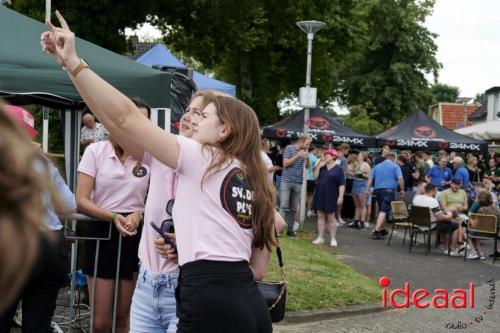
point(236, 198)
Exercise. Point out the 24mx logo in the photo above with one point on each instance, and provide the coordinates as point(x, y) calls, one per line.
point(464, 146)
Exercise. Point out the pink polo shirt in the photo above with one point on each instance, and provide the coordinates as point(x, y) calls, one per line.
point(116, 188)
point(160, 192)
point(212, 222)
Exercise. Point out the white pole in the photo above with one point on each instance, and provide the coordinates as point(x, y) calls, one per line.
point(303, 196)
point(47, 10)
point(45, 130)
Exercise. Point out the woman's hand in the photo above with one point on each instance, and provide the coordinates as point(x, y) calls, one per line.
point(60, 43)
point(165, 250)
point(120, 222)
point(133, 221)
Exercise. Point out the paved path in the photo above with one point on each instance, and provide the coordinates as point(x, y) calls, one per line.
point(376, 259)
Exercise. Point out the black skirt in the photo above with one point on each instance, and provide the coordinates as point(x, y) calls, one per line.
point(108, 251)
point(222, 297)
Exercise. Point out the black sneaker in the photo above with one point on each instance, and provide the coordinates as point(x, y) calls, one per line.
point(361, 225)
point(291, 234)
point(377, 235)
point(384, 232)
point(496, 255)
point(353, 224)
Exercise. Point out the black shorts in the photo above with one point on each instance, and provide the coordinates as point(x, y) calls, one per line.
point(108, 252)
point(446, 226)
point(311, 185)
point(220, 296)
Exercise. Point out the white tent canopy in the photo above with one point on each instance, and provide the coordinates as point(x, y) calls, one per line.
point(486, 131)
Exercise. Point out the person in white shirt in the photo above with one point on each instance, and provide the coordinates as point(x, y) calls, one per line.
point(266, 146)
point(440, 220)
point(92, 131)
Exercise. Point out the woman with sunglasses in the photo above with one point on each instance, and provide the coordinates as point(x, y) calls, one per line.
point(112, 186)
point(224, 204)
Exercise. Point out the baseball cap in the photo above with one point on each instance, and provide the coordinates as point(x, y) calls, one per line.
point(457, 181)
point(457, 159)
point(294, 137)
point(331, 152)
point(24, 117)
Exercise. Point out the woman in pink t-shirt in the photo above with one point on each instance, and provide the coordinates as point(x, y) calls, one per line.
point(112, 187)
point(224, 204)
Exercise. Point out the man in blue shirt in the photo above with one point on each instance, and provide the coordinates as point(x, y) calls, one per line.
point(440, 175)
point(460, 172)
point(386, 176)
point(314, 155)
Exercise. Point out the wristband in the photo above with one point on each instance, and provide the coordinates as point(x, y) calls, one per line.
point(78, 69)
point(113, 215)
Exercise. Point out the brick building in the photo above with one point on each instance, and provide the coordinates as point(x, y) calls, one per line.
point(451, 115)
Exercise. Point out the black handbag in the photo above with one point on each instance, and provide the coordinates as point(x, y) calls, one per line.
point(275, 292)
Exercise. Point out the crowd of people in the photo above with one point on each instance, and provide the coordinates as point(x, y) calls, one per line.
point(446, 183)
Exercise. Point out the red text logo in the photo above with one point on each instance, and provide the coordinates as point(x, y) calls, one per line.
point(423, 298)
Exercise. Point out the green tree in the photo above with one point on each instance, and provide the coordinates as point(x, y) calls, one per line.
point(399, 51)
point(444, 93)
point(257, 46)
point(99, 21)
point(362, 121)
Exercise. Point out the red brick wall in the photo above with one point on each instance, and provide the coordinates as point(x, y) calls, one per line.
point(453, 115)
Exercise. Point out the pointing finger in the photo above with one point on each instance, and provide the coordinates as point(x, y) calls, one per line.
point(61, 19)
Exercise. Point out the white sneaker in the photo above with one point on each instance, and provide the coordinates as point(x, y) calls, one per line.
point(309, 213)
point(333, 242)
point(318, 241)
point(340, 222)
point(453, 253)
point(367, 225)
point(296, 226)
point(472, 256)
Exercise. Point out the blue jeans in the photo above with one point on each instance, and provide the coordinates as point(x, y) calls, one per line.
point(153, 304)
point(289, 201)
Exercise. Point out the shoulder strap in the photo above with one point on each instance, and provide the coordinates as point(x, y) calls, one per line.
point(278, 250)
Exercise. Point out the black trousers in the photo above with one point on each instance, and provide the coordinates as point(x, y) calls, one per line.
point(39, 294)
point(220, 297)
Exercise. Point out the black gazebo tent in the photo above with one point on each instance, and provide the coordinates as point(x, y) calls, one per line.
point(419, 131)
point(322, 128)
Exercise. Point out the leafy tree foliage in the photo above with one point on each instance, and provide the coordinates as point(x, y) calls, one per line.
point(362, 120)
point(444, 93)
point(398, 52)
point(99, 21)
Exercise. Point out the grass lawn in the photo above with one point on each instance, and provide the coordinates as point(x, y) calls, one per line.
point(317, 279)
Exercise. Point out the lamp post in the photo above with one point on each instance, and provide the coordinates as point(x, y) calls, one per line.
point(307, 98)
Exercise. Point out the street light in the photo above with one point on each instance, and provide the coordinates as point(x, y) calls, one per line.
point(307, 97)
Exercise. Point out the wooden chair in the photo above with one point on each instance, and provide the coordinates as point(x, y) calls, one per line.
point(401, 219)
point(483, 227)
point(420, 218)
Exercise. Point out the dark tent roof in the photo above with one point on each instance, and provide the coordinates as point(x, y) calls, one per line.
point(28, 76)
point(419, 131)
point(322, 128)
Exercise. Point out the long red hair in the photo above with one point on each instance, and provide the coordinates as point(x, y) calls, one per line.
point(243, 143)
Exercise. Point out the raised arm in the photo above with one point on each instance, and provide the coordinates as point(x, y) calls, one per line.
point(110, 106)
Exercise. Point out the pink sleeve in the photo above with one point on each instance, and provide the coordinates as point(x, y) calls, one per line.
point(146, 159)
point(190, 156)
point(88, 164)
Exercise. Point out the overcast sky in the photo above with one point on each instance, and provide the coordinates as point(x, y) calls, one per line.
point(468, 42)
